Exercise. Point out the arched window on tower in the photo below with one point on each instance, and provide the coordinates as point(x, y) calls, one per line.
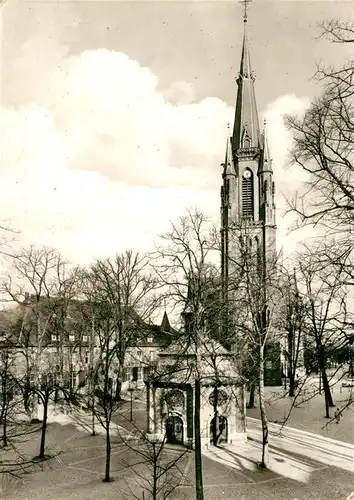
point(247, 194)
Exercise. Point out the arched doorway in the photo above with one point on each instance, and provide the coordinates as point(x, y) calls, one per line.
point(218, 430)
point(174, 429)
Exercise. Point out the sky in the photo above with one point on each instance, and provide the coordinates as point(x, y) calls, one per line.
point(114, 114)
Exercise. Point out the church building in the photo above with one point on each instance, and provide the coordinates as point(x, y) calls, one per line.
point(248, 208)
point(247, 200)
point(248, 189)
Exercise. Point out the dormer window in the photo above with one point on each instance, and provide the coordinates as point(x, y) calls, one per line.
point(150, 340)
point(247, 142)
point(85, 338)
point(54, 337)
point(71, 338)
point(246, 139)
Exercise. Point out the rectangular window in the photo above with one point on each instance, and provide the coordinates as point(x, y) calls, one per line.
point(73, 379)
point(135, 373)
point(71, 338)
point(54, 337)
point(150, 340)
point(152, 355)
point(247, 195)
point(127, 374)
point(82, 377)
point(85, 338)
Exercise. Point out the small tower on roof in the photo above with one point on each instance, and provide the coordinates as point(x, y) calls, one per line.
point(165, 324)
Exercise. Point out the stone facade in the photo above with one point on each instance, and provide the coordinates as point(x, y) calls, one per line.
point(170, 398)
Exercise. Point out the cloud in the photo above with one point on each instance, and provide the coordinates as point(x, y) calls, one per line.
point(100, 160)
point(288, 178)
point(97, 157)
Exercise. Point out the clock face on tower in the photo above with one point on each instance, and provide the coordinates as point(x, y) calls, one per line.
point(246, 174)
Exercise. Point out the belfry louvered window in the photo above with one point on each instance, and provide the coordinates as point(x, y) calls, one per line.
point(247, 194)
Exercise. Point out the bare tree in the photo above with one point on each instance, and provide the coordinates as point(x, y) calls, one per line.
point(253, 290)
point(9, 403)
point(118, 301)
point(128, 285)
point(327, 311)
point(291, 319)
point(182, 261)
point(323, 144)
point(186, 265)
point(156, 472)
point(39, 281)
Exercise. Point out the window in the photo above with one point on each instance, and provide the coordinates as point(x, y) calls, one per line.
point(82, 378)
point(247, 142)
point(127, 373)
point(73, 379)
point(152, 355)
point(247, 194)
point(135, 374)
point(150, 340)
point(139, 355)
point(71, 338)
point(246, 139)
point(54, 337)
point(85, 338)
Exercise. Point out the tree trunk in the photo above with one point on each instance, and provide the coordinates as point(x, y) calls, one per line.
point(3, 417)
point(107, 476)
point(44, 426)
point(4, 427)
point(327, 390)
point(325, 384)
point(118, 389)
point(265, 452)
point(251, 401)
point(155, 481)
point(93, 432)
point(215, 425)
point(291, 383)
point(199, 491)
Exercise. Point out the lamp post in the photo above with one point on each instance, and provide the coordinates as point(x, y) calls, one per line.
point(131, 390)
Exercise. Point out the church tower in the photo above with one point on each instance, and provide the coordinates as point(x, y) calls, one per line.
point(248, 189)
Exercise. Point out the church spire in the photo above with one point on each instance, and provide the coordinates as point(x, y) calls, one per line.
point(246, 126)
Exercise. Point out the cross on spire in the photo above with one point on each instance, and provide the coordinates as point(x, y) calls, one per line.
point(245, 4)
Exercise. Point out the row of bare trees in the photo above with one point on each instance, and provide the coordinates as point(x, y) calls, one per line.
point(107, 307)
point(323, 149)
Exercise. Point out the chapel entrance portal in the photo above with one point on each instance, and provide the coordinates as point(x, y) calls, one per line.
point(174, 430)
point(218, 430)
